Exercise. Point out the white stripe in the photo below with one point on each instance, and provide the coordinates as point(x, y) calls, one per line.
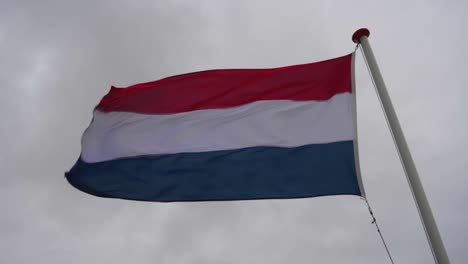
point(281, 123)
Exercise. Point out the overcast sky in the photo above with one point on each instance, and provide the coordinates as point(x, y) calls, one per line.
point(58, 58)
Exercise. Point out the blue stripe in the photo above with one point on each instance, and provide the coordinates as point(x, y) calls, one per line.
point(242, 174)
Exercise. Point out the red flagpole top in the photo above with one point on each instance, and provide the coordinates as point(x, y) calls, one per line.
point(359, 33)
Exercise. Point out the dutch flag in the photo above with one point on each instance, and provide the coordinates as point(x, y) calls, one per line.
point(235, 134)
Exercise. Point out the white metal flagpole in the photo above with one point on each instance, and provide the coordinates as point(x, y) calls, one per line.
point(429, 224)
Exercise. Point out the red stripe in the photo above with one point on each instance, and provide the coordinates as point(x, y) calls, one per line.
point(228, 88)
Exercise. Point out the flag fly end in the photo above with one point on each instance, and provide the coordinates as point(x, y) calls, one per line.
point(359, 33)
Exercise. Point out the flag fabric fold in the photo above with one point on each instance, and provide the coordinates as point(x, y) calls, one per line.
point(233, 134)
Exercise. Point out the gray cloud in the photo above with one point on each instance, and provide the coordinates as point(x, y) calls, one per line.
point(59, 58)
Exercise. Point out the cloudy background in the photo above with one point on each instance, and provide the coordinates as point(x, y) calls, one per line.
point(57, 59)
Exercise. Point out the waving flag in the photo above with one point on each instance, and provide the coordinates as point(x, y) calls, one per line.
point(233, 134)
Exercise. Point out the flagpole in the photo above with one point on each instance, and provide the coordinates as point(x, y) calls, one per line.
point(422, 204)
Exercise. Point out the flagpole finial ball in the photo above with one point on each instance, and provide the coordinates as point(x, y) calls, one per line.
point(359, 33)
